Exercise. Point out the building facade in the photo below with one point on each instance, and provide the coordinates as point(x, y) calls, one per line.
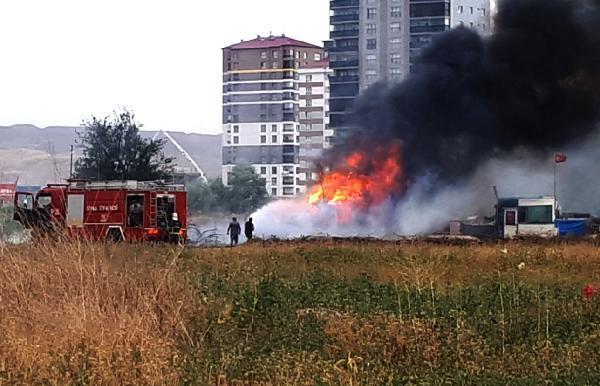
point(262, 108)
point(315, 134)
point(377, 40)
point(428, 18)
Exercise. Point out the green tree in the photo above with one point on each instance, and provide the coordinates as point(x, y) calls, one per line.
point(247, 190)
point(207, 197)
point(246, 193)
point(113, 149)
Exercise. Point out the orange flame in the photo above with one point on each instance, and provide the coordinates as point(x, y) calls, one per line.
point(364, 179)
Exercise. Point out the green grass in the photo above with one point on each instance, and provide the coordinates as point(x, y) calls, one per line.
point(311, 313)
point(327, 322)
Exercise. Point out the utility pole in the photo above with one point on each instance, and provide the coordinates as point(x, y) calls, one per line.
point(71, 164)
point(554, 182)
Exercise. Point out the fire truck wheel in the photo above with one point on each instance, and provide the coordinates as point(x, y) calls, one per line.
point(115, 235)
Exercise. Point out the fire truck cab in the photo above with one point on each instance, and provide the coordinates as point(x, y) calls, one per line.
point(106, 210)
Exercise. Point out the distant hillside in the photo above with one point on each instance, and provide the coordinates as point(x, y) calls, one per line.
point(41, 155)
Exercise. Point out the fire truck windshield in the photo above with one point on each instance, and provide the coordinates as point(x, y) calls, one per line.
point(44, 201)
point(25, 201)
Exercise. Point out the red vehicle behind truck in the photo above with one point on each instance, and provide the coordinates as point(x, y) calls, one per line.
point(106, 210)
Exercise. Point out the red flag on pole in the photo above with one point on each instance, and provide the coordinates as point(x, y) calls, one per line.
point(559, 158)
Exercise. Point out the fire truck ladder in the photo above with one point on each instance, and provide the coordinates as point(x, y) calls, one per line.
point(153, 209)
point(183, 152)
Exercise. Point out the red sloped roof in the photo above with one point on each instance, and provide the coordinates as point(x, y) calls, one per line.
point(270, 42)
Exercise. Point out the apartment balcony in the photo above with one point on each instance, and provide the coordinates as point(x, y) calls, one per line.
point(344, 33)
point(333, 4)
point(428, 29)
point(344, 49)
point(344, 64)
point(290, 117)
point(343, 18)
point(289, 63)
point(343, 79)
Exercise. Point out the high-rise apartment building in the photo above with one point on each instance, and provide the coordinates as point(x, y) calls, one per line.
point(376, 40)
point(428, 18)
point(262, 108)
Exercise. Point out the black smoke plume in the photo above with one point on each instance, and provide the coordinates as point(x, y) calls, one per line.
point(533, 84)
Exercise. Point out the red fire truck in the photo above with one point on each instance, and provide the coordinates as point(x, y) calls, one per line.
point(106, 210)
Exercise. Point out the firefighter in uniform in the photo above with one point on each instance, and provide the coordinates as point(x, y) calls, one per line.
point(249, 228)
point(234, 231)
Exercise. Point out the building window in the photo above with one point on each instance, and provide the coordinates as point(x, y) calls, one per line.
point(263, 55)
point(263, 64)
point(274, 169)
point(236, 129)
point(274, 65)
point(273, 139)
point(263, 170)
point(395, 41)
point(305, 55)
point(236, 140)
point(309, 91)
point(371, 59)
point(395, 27)
point(371, 13)
point(273, 180)
point(396, 71)
point(275, 54)
point(263, 128)
point(371, 29)
point(309, 103)
point(371, 44)
point(308, 78)
point(371, 76)
point(471, 9)
point(395, 58)
point(273, 191)
point(317, 57)
point(274, 128)
point(263, 139)
point(461, 9)
point(396, 12)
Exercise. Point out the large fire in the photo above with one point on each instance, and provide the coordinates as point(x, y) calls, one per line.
point(363, 180)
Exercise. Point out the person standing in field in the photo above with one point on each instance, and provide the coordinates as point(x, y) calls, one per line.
point(233, 230)
point(249, 228)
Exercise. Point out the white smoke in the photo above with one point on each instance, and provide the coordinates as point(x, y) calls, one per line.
point(521, 174)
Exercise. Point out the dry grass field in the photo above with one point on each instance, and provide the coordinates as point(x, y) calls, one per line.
point(319, 312)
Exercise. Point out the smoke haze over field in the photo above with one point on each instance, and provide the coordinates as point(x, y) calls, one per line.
point(480, 112)
point(421, 211)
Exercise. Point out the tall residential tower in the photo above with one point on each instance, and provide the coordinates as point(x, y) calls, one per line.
point(376, 40)
point(262, 99)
